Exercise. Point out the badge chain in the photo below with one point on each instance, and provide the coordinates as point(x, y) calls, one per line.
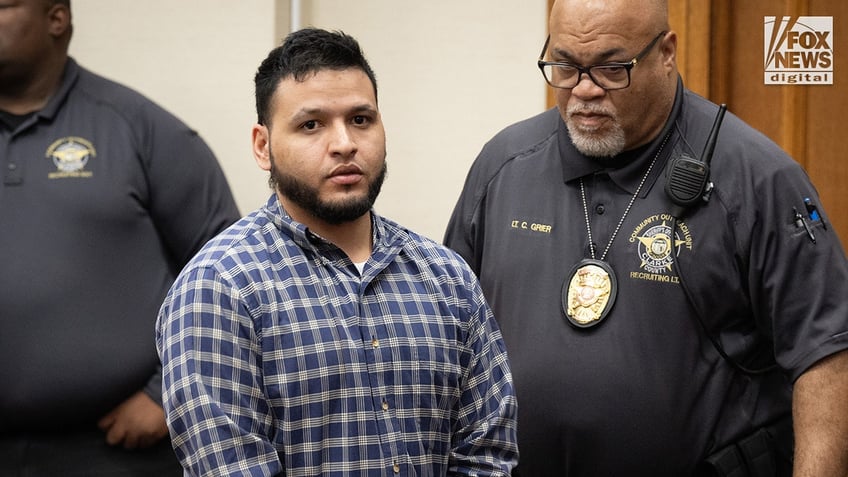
point(626, 210)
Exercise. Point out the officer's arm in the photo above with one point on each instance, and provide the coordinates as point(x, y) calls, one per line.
point(820, 413)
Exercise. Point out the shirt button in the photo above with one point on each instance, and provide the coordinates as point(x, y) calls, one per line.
point(385, 405)
point(396, 468)
point(375, 343)
point(12, 167)
point(600, 209)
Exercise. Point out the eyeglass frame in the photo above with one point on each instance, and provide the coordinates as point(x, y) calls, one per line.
point(627, 65)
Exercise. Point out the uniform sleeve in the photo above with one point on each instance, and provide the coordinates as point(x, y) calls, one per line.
point(463, 233)
point(799, 280)
point(217, 414)
point(153, 388)
point(484, 440)
point(460, 233)
point(189, 198)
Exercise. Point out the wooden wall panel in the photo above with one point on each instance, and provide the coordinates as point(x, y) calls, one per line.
point(827, 123)
point(691, 21)
point(770, 108)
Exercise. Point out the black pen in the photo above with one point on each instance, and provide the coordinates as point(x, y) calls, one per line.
point(800, 222)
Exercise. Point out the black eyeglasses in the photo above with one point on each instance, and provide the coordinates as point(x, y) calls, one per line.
point(609, 76)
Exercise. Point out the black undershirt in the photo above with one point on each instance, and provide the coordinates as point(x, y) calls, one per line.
point(10, 122)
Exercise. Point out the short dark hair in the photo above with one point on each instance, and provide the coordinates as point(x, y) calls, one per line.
point(305, 52)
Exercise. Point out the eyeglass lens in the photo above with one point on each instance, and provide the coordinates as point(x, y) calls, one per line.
point(605, 76)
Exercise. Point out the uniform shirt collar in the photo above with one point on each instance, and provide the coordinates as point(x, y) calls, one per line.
point(69, 78)
point(54, 104)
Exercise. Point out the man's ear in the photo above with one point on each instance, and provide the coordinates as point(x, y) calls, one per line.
point(262, 146)
point(59, 19)
point(668, 49)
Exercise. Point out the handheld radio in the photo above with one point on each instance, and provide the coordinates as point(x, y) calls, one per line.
point(688, 179)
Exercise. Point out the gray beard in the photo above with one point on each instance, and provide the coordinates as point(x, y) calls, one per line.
point(594, 145)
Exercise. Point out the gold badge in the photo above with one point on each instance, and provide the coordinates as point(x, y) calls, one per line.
point(589, 293)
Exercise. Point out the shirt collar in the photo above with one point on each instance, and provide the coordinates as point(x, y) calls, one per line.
point(385, 234)
point(69, 78)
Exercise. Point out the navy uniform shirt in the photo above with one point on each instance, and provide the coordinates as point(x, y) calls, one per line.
point(104, 197)
point(645, 392)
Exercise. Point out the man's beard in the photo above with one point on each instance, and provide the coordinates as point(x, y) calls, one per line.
point(307, 197)
point(595, 143)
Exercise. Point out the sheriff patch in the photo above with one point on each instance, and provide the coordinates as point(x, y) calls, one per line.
point(70, 155)
point(657, 247)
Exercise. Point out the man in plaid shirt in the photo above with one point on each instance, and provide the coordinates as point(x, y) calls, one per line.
point(315, 337)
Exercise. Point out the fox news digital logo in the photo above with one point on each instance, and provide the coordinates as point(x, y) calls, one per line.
point(799, 50)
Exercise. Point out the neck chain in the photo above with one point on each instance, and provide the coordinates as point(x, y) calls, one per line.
point(626, 210)
point(589, 291)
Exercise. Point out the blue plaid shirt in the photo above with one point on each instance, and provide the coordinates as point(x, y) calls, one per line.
point(279, 358)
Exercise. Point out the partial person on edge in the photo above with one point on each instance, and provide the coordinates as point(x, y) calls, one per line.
point(104, 196)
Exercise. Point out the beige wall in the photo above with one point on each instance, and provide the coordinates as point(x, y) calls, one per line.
point(450, 74)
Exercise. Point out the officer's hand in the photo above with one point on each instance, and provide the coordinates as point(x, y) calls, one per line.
point(137, 422)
